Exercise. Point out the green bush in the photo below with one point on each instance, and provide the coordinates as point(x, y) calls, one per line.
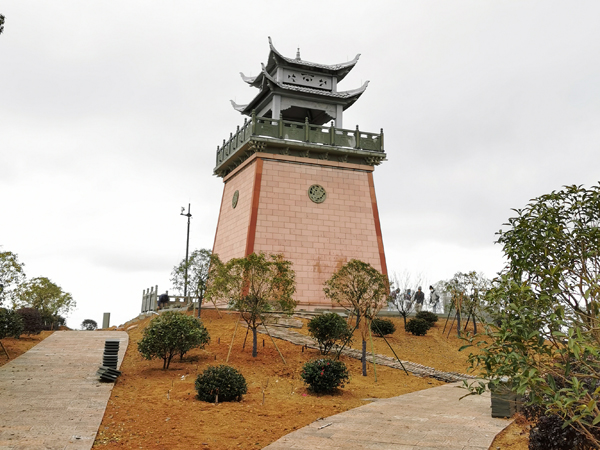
point(89, 325)
point(11, 324)
point(428, 316)
point(172, 333)
point(418, 327)
point(222, 381)
point(382, 327)
point(329, 329)
point(32, 320)
point(324, 375)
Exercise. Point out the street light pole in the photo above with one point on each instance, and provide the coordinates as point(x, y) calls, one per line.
point(187, 249)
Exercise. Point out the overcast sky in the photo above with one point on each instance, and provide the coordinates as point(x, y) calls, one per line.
point(111, 112)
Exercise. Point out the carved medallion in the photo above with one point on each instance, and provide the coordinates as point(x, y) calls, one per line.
point(234, 200)
point(317, 193)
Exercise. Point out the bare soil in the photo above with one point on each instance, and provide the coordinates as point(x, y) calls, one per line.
point(151, 408)
point(16, 347)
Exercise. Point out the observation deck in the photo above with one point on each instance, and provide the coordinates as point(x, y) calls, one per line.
point(285, 137)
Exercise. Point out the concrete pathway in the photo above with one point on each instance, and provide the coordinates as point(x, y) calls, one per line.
point(424, 420)
point(50, 397)
point(419, 370)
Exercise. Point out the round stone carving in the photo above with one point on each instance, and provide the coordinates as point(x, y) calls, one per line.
point(317, 193)
point(234, 200)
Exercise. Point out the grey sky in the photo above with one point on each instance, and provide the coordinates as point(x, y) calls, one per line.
point(110, 114)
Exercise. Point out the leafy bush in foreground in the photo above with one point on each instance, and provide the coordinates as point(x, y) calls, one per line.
point(325, 375)
point(222, 381)
point(418, 327)
point(329, 329)
point(382, 327)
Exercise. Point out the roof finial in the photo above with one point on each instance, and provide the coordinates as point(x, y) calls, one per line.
point(298, 54)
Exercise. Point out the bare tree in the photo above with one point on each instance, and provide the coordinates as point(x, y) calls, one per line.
point(404, 286)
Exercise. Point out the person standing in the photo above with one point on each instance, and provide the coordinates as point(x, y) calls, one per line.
point(163, 300)
point(434, 299)
point(419, 299)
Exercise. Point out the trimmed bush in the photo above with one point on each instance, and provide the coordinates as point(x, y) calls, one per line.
point(325, 375)
point(382, 327)
point(222, 381)
point(428, 316)
point(11, 324)
point(329, 329)
point(32, 320)
point(418, 327)
point(172, 333)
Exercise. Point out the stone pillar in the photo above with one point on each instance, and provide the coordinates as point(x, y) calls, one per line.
point(106, 320)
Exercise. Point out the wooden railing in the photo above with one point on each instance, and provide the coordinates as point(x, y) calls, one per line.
point(300, 132)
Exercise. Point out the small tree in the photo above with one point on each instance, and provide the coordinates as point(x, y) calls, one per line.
point(403, 289)
point(198, 265)
point(89, 325)
point(172, 333)
point(329, 329)
point(361, 290)
point(48, 298)
point(467, 291)
point(1, 23)
point(12, 276)
point(253, 285)
point(545, 309)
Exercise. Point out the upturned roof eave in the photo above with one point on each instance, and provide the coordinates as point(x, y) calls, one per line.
point(338, 70)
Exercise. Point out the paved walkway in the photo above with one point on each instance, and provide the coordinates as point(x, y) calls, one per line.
point(419, 370)
point(424, 420)
point(50, 397)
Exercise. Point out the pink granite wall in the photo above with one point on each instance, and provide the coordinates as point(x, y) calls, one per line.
point(232, 227)
point(317, 238)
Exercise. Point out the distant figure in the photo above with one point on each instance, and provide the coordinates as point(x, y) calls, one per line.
point(408, 297)
point(434, 299)
point(163, 300)
point(419, 299)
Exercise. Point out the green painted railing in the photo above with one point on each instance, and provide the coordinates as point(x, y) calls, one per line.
point(300, 132)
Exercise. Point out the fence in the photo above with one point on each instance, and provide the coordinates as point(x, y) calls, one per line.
point(150, 300)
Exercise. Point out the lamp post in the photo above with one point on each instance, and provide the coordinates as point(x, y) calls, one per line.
point(187, 249)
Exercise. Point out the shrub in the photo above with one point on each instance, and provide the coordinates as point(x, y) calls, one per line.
point(329, 329)
point(428, 316)
point(32, 320)
point(418, 327)
point(222, 381)
point(549, 434)
point(11, 324)
point(324, 375)
point(172, 333)
point(89, 325)
point(382, 327)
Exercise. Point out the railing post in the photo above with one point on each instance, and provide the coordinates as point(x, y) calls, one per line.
point(357, 137)
point(237, 137)
point(253, 122)
point(381, 139)
point(332, 133)
point(245, 127)
point(306, 129)
point(217, 155)
point(225, 153)
point(280, 125)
